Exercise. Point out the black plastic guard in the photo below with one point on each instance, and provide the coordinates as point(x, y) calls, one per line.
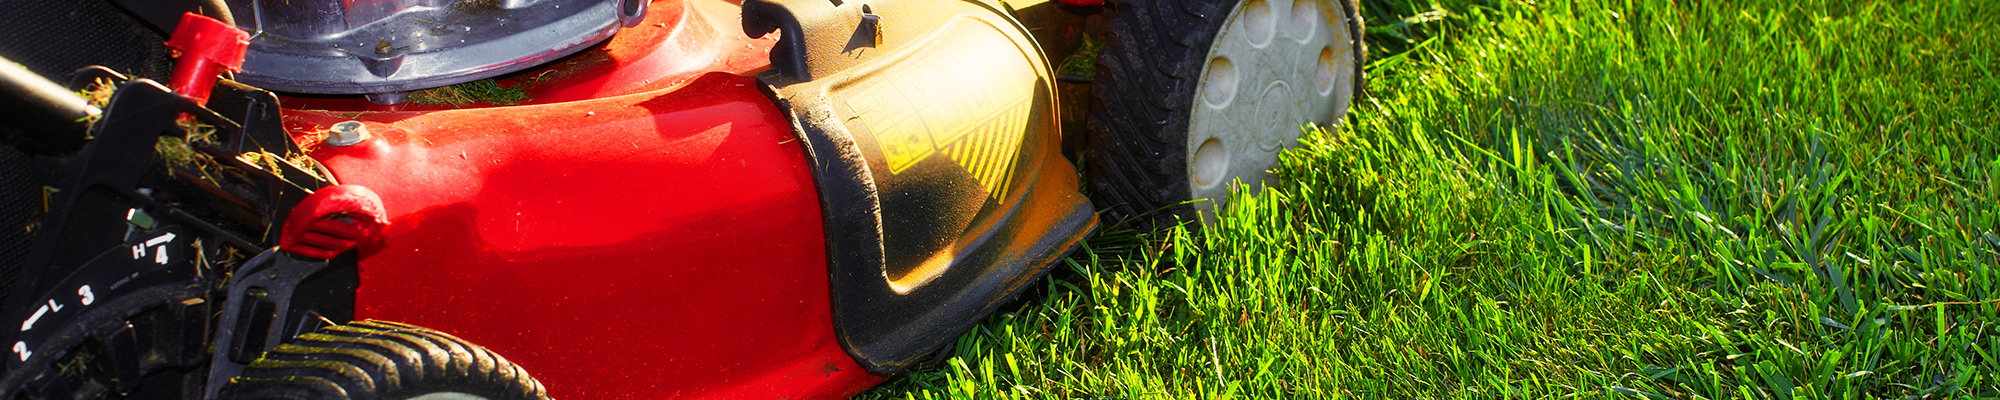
point(141, 232)
point(933, 131)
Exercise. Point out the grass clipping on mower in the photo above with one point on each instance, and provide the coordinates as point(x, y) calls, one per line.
point(181, 155)
point(463, 94)
point(97, 94)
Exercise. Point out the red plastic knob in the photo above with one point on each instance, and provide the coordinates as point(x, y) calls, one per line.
point(205, 46)
point(332, 221)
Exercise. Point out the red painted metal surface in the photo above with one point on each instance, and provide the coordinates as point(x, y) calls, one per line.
point(644, 228)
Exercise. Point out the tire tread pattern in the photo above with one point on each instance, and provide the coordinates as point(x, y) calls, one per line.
point(1146, 77)
point(380, 360)
point(1137, 151)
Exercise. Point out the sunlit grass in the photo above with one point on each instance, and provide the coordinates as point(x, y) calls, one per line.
point(1618, 199)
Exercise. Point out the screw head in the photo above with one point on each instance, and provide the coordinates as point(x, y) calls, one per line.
point(347, 133)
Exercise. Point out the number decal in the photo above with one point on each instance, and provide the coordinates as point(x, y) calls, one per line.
point(88, 297)
point(159, 255)
point(22, 349)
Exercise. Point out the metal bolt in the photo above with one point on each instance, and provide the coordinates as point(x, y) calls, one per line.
point(347, 133)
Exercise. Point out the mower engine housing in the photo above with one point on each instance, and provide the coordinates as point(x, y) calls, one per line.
point(385, 47)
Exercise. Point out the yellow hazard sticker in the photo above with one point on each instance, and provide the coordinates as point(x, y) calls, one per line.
point(966, 102)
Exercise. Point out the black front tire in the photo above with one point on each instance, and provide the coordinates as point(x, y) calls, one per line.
point(379, 360)
point(1149, 75)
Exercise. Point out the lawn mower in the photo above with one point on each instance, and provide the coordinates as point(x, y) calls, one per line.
point(598, 199)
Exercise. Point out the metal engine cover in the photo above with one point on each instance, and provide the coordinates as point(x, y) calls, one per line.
point(390, 46)
point(936, 145)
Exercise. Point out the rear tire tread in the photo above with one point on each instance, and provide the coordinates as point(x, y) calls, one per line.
point(369, 360)
point(1136, 156)
point(1146, 77)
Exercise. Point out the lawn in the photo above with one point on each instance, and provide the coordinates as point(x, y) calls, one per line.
point(1601, 199)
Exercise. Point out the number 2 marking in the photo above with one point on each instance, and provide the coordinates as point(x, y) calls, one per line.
point(22, 349)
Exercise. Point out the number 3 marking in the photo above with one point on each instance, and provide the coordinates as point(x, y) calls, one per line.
point(88, 297)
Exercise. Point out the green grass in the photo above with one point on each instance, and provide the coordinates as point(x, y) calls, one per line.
point(1615, 199)
point(463, 94)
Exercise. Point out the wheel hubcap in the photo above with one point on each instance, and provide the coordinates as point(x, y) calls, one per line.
point(1275, 65)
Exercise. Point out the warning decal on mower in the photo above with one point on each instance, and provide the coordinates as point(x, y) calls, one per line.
point(929, 109)
point(989, 153)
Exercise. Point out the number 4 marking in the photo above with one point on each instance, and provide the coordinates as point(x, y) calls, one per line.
point(160, 256)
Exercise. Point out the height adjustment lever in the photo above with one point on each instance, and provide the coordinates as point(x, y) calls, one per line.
point(206, 47)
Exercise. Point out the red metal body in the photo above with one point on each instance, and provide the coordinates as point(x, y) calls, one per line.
point(625, 234)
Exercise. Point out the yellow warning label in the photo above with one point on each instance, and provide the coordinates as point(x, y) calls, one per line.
point(969, 102)
point(988, 150)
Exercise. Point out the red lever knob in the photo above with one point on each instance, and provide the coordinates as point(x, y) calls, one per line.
point(205, 45)
point(332, 221)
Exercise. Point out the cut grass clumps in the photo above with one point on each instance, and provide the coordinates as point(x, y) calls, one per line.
point(96, 94)
point(469, 93)
point(1083, 63)
point(1621, 199)
point(180, 153)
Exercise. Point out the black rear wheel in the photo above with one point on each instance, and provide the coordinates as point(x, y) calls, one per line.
point(1194, 96)
point(382, 360)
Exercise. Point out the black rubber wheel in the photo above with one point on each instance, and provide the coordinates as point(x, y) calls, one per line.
point(370, 360)
point(1150, 83)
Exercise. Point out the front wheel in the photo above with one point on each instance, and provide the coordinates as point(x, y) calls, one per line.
point(382, 360)
point(1193, 96)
